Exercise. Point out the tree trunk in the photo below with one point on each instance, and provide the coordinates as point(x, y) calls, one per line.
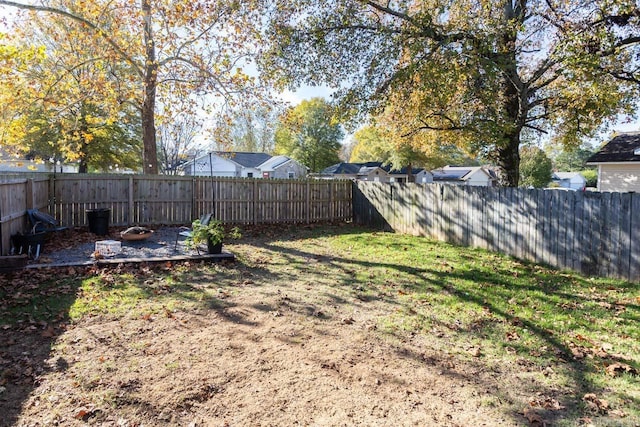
point(509, 160)
point(149, 144)
point(508, 152)
point(83, 166)
point(410, 176)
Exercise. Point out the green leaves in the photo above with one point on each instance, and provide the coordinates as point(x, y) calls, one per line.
point(310, 134)
point(477, 75)
point(535, 168)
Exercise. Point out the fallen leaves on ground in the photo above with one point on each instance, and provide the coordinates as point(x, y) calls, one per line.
point(535, 420)
point(595, 404)
point(616, 369)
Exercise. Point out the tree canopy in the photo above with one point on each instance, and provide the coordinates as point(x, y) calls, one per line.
point(309, 134)
point(571, 160)
point(168, 52)
point(376, 143)
point(535, 168)
point(64, 106)
point(475, 74)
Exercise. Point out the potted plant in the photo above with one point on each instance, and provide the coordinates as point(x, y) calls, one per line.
point(213, 233)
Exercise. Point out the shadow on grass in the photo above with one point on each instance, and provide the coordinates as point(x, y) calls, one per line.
point(33, 313)
point(36, 316)
point(551, 289)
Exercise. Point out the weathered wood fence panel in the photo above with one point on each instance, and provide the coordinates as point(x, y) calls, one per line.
point(136, 199)
point(16, 196)
point(157, 200)
point(13, 200)
point(593, 233)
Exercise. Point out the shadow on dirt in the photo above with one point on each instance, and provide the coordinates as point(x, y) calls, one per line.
point(33, 313)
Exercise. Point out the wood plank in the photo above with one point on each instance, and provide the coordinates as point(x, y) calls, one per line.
point(614, 233)
point(591, 236)
point(577, 246)
point(634, 239)
point(603, 255)
point(624, 253)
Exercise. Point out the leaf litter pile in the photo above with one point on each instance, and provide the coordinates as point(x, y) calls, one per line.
point(320, 325)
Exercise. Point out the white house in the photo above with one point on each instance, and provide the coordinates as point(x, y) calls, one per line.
point(244, 165)
point(463, 175)
point(374, 172)
point(23, 165)
point(570, 180)
point(619, 164)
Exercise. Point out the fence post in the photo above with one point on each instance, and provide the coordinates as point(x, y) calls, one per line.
point(308, 199)
point(131, 205)
point(193, 198)
point(254, 203)
point(52, 194)
point(331, 207)
point(30, 196)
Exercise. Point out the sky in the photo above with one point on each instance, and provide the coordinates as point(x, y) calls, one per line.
point(305, 92)
point(308, 92)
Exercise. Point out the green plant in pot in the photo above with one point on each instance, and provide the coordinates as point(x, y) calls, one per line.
point(211, 233)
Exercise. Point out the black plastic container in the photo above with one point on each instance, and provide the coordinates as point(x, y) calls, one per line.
point(99, 221)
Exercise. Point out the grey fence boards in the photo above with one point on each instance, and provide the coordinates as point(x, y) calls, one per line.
point(137, 199)
point(16, 196)
point(157, 199)
point(593, 233)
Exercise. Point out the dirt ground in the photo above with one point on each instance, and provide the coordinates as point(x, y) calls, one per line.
point(272, 350)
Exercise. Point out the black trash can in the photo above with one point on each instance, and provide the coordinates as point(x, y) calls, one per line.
point(99, 221)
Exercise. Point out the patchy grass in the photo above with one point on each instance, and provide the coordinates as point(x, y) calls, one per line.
point(559, 348)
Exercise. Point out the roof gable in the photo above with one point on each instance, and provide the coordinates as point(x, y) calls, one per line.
point(248, 160)
point(355, 168)
point(458, 173)
point(274, 163)
point(620, 149)
point(568, 175)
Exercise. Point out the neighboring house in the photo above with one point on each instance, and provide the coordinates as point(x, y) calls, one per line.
point(464, 175)
point(244, 165)
point(569, 180)
point(374, 172)
point(619, 163)
point(22, 165)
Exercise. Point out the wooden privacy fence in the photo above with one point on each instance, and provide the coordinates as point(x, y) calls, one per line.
point(155, 200)
point(16, 196)
point(592, 233)
point(148, 200)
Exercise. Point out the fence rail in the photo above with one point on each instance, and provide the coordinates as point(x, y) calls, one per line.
point(155, 200)
point(592, 233)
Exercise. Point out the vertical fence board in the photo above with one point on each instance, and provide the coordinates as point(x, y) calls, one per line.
point(595, 233)
point(605, 235)
point(577, 248)
point(624, 239)
point(634, 238)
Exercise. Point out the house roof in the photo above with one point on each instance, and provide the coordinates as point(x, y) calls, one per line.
point(567, 175)
point(457, 173)
point(360, 168)
point(342, 169)
point(274, 162)
point(248, 160)
point(446, 175)
point(620, 149)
